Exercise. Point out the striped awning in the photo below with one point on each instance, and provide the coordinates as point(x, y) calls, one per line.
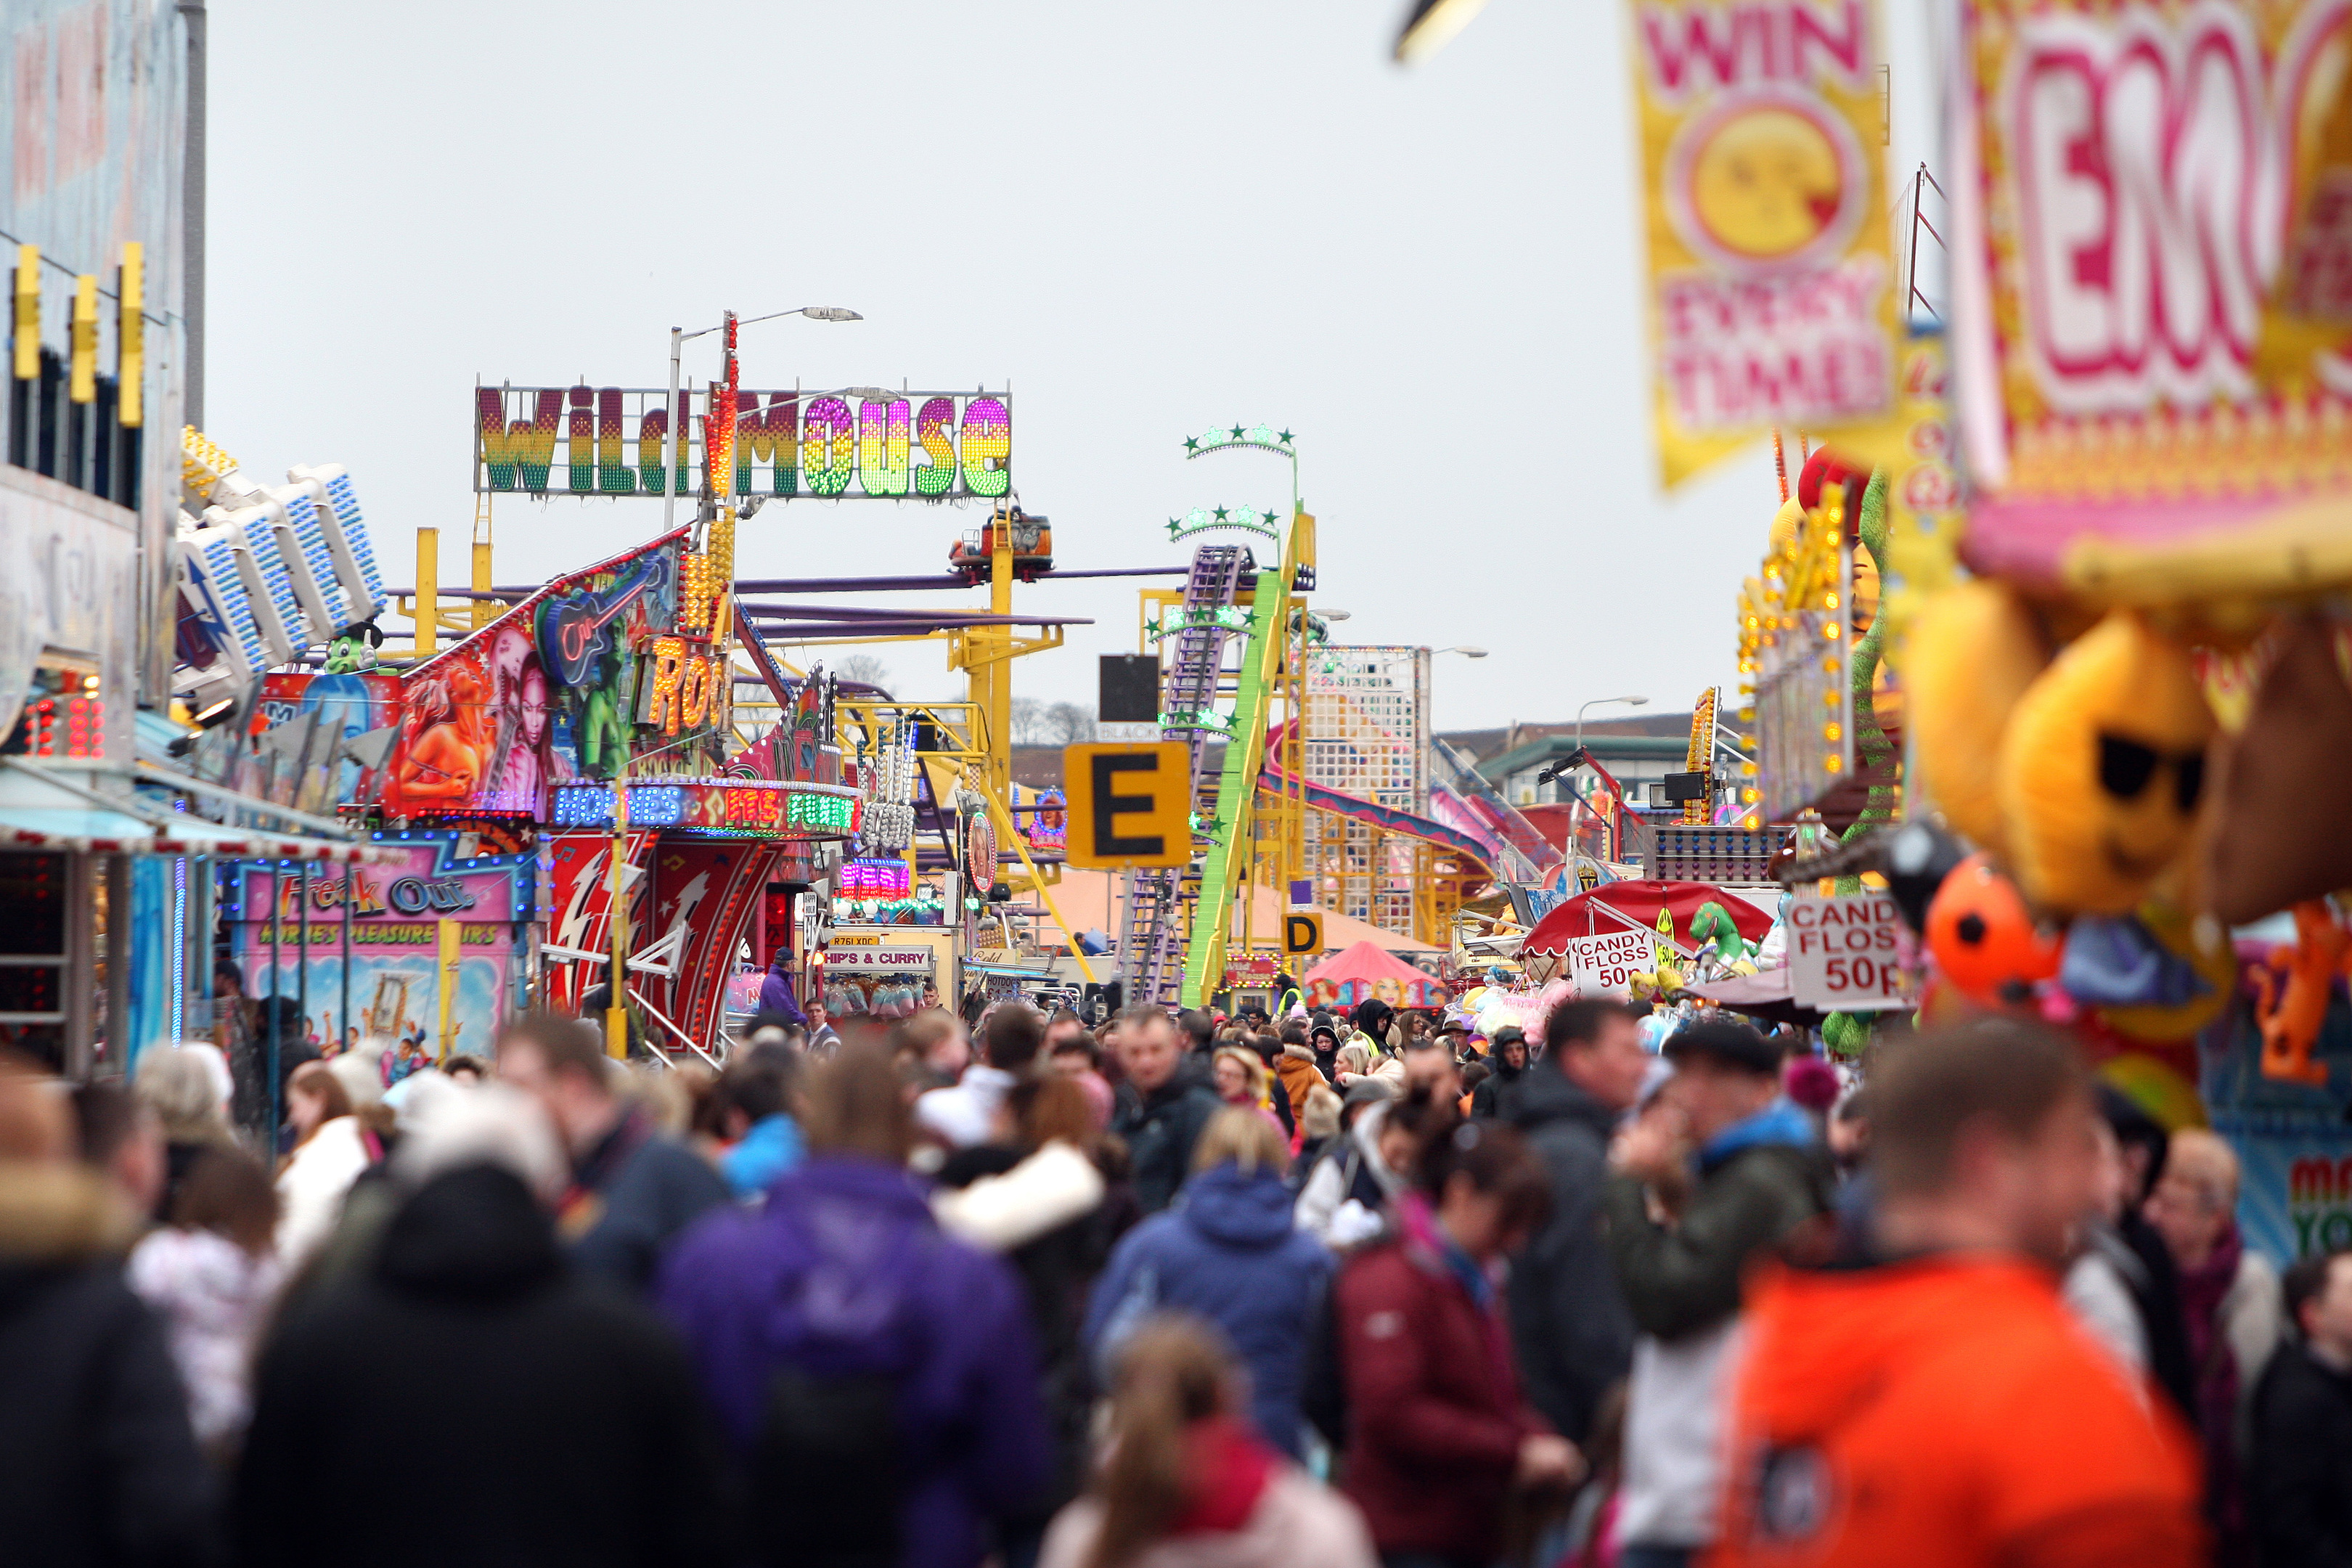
point(44, 811)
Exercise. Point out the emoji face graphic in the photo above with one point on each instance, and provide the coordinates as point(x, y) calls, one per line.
point(1765, 181)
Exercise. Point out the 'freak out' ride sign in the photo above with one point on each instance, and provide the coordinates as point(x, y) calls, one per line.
point(1771, 278)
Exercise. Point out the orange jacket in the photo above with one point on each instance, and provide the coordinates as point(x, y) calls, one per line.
point(1945, 1412)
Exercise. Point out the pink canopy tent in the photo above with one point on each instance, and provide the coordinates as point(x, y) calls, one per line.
point(1621, 906)
point(1363, 974)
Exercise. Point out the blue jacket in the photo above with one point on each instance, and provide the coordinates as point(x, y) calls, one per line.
point(771, 1147)
point(843, 1273)
point(1229, 1255)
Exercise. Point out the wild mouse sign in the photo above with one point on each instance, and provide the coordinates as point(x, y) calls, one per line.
point(1846, 954)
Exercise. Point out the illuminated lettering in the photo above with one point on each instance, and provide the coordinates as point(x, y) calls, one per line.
point(937, 475)
point(828, 447)
point(769, 436)
point(517, 455)
point(581, 438)
point(987, 448)
point(883, 462)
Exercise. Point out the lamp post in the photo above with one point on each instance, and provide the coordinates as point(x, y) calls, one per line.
point(1602, 703)
point(674, 439)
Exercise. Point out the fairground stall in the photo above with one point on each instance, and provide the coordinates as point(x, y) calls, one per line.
point(578, 745)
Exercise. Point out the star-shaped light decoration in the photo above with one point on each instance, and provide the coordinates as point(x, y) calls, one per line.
point(1237, 432)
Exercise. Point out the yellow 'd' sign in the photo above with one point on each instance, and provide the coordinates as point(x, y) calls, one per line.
point(1302, 933)
point(1129, 805)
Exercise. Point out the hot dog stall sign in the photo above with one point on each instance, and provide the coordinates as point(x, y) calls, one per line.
point(862, 444)
point(1846, 954)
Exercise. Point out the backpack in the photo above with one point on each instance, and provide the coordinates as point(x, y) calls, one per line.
point(825, 1478)
point(1323, 1381)
point(826, 1482)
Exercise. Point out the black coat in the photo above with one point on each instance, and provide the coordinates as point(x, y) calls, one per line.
point(1160, 1129)
point(476, 1402)
point(1574, 1331)
point(2157, 1296)
point(634, 1194)
point(98, 1464)
point(1497, 1092)
point(2300, 1482)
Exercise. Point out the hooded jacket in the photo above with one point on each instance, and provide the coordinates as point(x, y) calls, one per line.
point(1494, 1095)
point(1160, 1129)
point(1323, 1043)
point(1759, 1180)
point(1299, 1075)
point(100, 1464)
point(2300, 1483)
point(1350, 1168)
point(841, 1278)
point(1574, 1330)
point(1229, 1255)
point(560, 1416)
point(1945, 1412)
point(1435, 1419)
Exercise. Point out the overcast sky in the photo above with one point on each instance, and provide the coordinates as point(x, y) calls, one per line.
point(1147, 219)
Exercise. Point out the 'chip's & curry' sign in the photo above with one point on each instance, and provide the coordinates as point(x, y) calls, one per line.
point(611, 440)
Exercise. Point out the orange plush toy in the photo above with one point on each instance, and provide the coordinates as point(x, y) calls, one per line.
point(2291, 1012)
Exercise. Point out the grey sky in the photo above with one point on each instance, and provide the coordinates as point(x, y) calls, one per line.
point(1149, 218)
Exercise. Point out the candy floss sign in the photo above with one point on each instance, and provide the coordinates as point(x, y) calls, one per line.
point(2131, 187)
point(1772, 295)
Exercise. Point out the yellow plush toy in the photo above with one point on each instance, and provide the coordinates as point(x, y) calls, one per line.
point(1974, 651)
point(2100, 768)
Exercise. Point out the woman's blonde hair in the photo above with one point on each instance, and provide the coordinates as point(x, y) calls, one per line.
point(1171, 1374)
point(1241, 1136)
point(178, 1088)
point(1354, 1057)
point(1252, 1070)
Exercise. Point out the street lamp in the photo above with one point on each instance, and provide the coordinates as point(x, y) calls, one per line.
point(1336, 614)
point(672, 448)
point(1602, 703)
point(1465, 652)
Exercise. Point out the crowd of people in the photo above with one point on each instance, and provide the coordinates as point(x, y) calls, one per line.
point(1177, 1291)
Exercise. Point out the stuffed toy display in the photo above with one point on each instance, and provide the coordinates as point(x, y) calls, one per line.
point(1974, 652)
point(2292, 994)
point(2284, 791)
point(1985, 939)
point(2100, 768)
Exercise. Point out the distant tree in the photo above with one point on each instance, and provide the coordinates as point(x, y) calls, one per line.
point(1070, 723)
point(1033, 723)
point(864, 668)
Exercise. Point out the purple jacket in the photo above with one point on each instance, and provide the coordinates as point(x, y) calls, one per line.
point(845, 1272)
point(776, 995)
